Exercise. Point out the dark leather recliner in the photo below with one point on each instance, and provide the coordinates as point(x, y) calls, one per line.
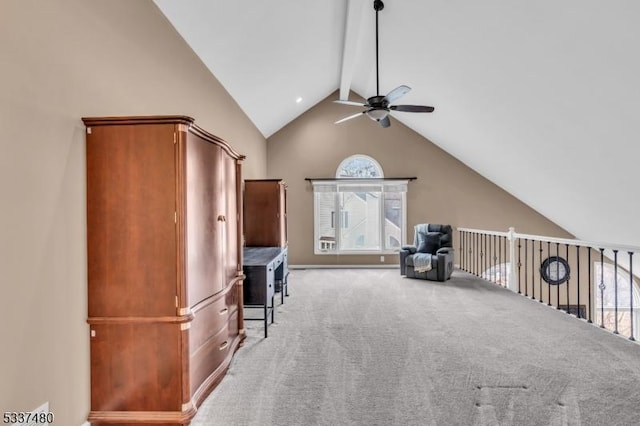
point(431, 256)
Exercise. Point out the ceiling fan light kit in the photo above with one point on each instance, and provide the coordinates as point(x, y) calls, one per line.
point(379, 106)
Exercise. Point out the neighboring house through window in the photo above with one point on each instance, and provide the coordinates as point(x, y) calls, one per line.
point(359, 212)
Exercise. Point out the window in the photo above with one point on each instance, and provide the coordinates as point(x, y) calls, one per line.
point(359, 212)
point(498, 274)
point(605, 300)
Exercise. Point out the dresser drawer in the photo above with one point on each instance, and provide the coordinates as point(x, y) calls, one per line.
point(208, 319)
point(208, 357)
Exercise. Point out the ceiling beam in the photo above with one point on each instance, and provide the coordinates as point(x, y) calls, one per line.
point(355, 12)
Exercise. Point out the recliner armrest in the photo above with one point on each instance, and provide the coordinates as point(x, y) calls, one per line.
point(410, 249)
point(445, 250)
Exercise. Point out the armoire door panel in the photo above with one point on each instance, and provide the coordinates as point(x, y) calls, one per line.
point(203, 222)
point(123, 356)
point(230, 251)
point(131, 221)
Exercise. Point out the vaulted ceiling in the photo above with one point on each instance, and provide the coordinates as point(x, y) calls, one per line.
point(541, 97)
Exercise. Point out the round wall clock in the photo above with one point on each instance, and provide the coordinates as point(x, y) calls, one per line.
point(555, 270)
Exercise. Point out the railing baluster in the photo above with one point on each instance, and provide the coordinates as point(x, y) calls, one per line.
point(484, 263)
point(631, 293)
point(602, 287)
point(540, 274)
point(500, 258)
point(492, 266)
point(506, 270)
point(519, 267)
point(478, 254)
point(470, 252)
point(557, 285)
point(549, 285)
point(526, 265)
point(466, 251)
point(578, 279)
point(533, 269)
point(590, 284)
point(461, 249)
point(495, 274)
point(615, 289)
point(475, 252)
point(568, 283)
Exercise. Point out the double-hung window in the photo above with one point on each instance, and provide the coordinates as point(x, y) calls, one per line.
point(359, 212)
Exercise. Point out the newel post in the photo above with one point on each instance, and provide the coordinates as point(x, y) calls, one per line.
point(513, 281)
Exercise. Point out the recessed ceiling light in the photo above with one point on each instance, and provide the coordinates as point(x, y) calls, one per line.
point(298, 99)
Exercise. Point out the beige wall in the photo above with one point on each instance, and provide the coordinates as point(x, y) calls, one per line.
point(62, 60)
point(446, 191)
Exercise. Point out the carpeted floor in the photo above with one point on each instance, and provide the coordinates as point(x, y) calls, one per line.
point(368, 347)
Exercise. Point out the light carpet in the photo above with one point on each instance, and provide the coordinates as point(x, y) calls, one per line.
point(369, 347)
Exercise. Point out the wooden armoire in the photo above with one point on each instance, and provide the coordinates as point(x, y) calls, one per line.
point(164, 227)
point(265, 207)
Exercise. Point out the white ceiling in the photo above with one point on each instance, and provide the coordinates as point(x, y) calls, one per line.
point(540, 97)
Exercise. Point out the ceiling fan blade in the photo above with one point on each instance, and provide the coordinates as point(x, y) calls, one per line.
point(350, 117)
point(411, 108)
point(360, 104)
point(397, 93)
point(385, 122)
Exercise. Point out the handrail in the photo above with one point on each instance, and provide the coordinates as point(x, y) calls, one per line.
point(482, 231)
point(574, 242)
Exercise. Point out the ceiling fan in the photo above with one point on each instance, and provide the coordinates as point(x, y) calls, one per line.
point(378, 107)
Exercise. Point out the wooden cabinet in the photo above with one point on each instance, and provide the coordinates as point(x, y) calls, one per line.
point(265, 207)
point(165, 282)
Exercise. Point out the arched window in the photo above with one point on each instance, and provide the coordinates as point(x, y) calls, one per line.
point(359, 166)
point(359, 212)
point(605, 299)
point(498, 274)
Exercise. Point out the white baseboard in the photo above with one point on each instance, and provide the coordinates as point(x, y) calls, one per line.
point(344, 266)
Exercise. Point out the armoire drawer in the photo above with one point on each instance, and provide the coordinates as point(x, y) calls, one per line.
point(204, 361)
point(208, 319)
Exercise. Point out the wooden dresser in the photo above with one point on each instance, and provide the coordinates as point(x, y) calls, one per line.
point(165, 281)
point(265, 206)
point(265, 226)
